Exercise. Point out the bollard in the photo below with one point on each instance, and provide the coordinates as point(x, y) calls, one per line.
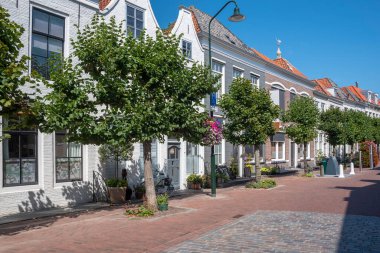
point(341, 172)
point(352, 172)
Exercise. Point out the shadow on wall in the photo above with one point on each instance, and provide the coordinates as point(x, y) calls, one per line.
point(36, 201)
point(360, 229)
point(77, 193)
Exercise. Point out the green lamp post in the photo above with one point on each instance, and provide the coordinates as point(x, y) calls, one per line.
point(236, 17)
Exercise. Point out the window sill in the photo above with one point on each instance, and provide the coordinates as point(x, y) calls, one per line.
point(20, 188)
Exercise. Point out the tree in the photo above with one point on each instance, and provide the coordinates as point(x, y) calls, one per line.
point(124, 90)
point(250, 113)
point(331, 124)
point(376, 131)
point(13, 67)
point(302, 119)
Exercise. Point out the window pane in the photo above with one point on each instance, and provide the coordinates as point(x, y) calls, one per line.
point(39, 45)
point(12, 172)
point(138, 33)
point(139, 25)
point(39, 64)
point(273, 149)
point(28, 146)
point(130, 11)
point(40, 21)
point(75, 168)
point(131, 22)
point(61, 146)
point(57, 26)
point(280, 150)
point(11, 148)
point(139, 15)
point(62, 169)
point(29, 171)
point(75, 150)
point(55, 47)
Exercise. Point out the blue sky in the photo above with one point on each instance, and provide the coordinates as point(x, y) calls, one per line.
point(339, 39)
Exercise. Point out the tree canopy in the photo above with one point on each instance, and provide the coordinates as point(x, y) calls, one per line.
point(302, 119)
point(116, 90)
point(13, 67)
point(250, 113)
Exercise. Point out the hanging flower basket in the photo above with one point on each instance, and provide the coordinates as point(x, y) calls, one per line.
point(214, 134)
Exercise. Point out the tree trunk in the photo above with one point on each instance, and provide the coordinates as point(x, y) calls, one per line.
point(334, 150)
point(150, 192)
point(257, 163)
point(304, 157)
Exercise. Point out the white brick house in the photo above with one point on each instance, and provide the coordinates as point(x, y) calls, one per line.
point(39, 170)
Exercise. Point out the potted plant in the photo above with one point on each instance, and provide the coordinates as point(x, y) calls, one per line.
point(221, 178)
point(194, 181)
point(163, 202)
point(233, 169)
point(117, 190)
point(139, 191)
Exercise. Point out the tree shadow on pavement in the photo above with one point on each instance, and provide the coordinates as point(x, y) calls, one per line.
point(360, 230)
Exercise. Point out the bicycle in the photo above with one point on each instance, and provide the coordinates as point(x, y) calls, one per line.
point(162, 183)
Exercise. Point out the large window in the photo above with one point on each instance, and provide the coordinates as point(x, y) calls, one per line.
point(135, 21)
point(20, 165)
point(217, 69)
point(186, 49)
point(48, 34)
point(249, 150)
point(68, 159)
point(192, 158)
point(278, 97)
point(278, 151)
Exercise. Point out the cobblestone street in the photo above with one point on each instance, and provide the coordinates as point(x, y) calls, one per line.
point(268, 231)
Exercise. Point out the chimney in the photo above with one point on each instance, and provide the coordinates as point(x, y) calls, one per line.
point(103, 4)
point(357, 84)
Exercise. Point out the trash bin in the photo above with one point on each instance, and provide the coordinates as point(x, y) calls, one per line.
point(324, 163)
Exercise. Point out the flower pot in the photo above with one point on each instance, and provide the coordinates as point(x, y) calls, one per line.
point(163, 207)
point(128, 194)
point(139, 195)
point(196, 186)
point(117, 194)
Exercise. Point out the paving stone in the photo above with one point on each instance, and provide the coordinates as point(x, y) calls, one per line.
point(276, 231)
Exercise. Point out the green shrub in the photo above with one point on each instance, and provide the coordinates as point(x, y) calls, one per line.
point(310, 174)
point(114, 182)
point(162, 199)
point(234, 167)
point(142, 211)
point(194, 178)
point(268, 171)
point(263, 184)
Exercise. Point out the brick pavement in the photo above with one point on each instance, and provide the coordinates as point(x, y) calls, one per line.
point(110, 230)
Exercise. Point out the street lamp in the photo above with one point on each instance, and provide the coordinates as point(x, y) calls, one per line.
point(236, 17)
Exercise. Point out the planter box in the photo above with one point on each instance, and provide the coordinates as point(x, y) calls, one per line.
point(117, 194)
point(247, 172)
point(163, 207)
point(193, 186)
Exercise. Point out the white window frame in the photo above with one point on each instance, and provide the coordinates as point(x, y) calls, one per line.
point(189, 52)
point(257, 83)
point(218, 153)
point(277, 154)
point(134, 18)
point(220, 92)
point(237, 70)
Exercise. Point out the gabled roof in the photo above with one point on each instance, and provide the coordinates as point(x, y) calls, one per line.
point(323, 84)
point(357, 92)
point(285, 64)
point(201, 21)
